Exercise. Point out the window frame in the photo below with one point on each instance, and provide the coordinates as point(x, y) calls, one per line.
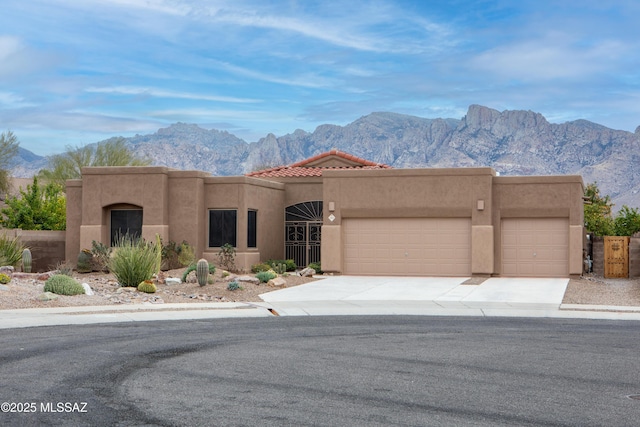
point(222, 237)
point(252, 228)
point(111, 225)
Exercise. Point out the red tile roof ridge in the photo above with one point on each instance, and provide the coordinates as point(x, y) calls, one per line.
point(335, 152)
point(299, 169)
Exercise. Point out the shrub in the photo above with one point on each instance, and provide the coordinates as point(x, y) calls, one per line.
point(147, 286)
point(40, 207)
point(101, 255)
point(233, 286)
point(133, 261)
point(64, 268)
point(627, 221)
point(265, 276)
point(257, 268)
point(227, 257)
point(316, 266)
point(63, 285)
point(192, 267)
point(289, 263)
point(85, 261)
point(186, 255)
point(4, 279)
point(10, 251)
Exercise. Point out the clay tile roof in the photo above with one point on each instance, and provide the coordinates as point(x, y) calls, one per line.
point(304, 168)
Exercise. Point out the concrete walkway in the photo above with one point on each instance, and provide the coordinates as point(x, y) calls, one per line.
point(352, 295)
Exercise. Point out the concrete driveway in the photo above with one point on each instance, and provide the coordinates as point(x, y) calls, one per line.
point(419, 295)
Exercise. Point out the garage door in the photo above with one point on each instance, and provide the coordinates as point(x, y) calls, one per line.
point(535, 247)
point(407, 246)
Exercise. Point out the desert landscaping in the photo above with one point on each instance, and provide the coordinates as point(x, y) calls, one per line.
point(25, 290)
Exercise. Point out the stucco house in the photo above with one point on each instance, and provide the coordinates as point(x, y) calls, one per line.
point(352, 215)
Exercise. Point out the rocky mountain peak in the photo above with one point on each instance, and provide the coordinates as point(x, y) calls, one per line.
point(514, 142)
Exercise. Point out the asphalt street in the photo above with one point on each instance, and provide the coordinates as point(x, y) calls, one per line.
point(328, 371)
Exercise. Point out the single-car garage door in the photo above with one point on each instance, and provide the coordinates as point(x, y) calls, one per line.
point(535, 247)
point(407, 246)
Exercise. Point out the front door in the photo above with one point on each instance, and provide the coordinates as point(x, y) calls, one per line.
point(303, 223)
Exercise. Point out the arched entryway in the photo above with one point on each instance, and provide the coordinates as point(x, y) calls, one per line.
point(303, 223)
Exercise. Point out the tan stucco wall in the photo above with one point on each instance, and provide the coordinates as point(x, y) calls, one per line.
point(176, 204)
point(74, 220)
point(409, 193)
point(244, 194)
point(541, 197)
point(475, 193)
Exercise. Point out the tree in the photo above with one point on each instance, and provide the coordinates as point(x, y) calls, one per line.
point(37, 208)
point(627, 222)
point(597, 212)
point(68, 165)
point(598, 217)
point(8, 150)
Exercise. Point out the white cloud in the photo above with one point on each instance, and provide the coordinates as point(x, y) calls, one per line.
point(163, 93)
point(553, 57)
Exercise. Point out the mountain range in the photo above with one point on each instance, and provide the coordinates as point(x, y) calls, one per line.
point(513, 142)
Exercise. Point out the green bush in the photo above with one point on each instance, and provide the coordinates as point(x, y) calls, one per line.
point(101, 255)
point(233, 286)
point(627, 221)
point(147, 286)
point(192, 267)
point(133, 261)
point(85, 261)
point(63, 285)
point(177, 255)
point(289, 263)
point(10, 251)
point(316, 266)
point(4, 279)
point(257, 268)
point(265, 276)
point(40, 207)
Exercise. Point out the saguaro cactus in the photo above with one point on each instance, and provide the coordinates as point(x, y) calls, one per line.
point(26, 260)
point(202, 271)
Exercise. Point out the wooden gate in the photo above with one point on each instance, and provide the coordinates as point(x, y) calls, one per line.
point(616, 256)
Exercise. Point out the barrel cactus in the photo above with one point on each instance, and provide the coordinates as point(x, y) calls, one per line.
point(202, 271)
point(26, 260)
point(147, 286)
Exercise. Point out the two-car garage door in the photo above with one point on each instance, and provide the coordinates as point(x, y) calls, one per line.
point(407, 246)
point(530, 247)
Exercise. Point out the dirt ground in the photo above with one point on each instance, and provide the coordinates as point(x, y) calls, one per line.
point(23, 291)
point(599, 291)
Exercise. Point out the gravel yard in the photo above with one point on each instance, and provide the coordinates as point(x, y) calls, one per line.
point(24, 289)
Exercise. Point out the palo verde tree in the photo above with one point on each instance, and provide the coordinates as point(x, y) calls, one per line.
point(8, 150)
point(113, 152)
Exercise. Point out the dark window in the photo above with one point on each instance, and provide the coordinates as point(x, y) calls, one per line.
point(222, 227)
point(252, 228)
point(126, 221)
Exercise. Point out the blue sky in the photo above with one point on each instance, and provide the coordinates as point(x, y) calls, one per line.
point(73, 72)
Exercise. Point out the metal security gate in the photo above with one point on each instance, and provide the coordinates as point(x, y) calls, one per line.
point(303, 224)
